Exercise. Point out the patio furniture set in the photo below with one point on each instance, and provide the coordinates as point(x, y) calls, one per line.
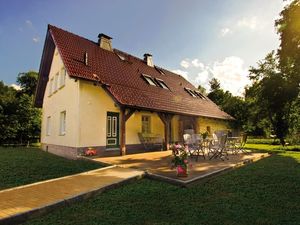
point(219, 146)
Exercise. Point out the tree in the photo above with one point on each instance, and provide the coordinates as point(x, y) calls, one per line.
point(274, 93)
point(202, 89)
point(28, 82)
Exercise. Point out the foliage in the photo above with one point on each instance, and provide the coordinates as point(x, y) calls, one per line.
point(19, 119)
point(180, 156)
point(19, 166)
point(265, 192)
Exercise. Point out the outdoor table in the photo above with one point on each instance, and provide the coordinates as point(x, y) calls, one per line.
point(231, 143)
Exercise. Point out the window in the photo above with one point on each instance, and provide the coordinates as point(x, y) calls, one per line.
point(48, 128)
point(160, 70)
point(199, 94)
point(146, 124)
point(56, 82)
point(62, 126)
point(62, 77)
point(149, 80)
point(122, 57)
point(190, 92)
point(51, 87)
point(162, 84)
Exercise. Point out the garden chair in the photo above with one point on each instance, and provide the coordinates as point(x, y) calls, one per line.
point(219, 148)
point(193, 143)
point(240, 144)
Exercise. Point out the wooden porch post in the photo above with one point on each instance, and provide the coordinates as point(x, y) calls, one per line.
point(124, 117)
point(166, 119)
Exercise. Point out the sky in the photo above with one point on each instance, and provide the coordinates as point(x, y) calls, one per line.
point(199, 39)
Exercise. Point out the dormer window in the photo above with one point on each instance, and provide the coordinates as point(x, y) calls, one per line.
point(162, 84)
point(122, 57)
point(149, 80)
point(188, 90)
point(199, 94)
point(160, 70)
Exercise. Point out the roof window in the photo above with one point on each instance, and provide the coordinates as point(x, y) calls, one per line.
point(199, 94)
point(160, 70)
point(122, 57)
point(188, 90)
point(162, 84)
point(149, 80)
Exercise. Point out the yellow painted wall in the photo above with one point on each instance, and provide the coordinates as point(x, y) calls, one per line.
point(215, 124)
point(94, 105)
point(134, 126)
point(64, 99)
point(174, 128)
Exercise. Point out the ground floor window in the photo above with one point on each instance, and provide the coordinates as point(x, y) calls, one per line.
point(146, 124)
point(62, 127)
point(48, 126)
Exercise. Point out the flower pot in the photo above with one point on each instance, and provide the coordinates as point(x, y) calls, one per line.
point(181, 171)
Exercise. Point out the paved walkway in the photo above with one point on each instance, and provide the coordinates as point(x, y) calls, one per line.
point(22, 201)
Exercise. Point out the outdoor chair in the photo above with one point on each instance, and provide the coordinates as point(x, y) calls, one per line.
point(218, 149)
point(150, 141)
point(193, 143)
point(240, 144)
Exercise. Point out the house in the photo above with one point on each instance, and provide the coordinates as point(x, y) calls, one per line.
point(93, 95)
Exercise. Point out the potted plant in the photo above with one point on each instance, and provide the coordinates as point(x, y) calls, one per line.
point(90, 152)
point(180, 160)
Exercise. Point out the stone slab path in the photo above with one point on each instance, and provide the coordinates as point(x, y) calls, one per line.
point(17, 204)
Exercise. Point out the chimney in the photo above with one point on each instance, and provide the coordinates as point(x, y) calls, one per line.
point(148, 59)
point(105, 42)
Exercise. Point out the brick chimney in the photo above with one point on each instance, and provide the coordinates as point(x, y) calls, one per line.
point(148, 59)
point(105, 42)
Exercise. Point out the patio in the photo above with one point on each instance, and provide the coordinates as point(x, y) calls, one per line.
point(157, 165)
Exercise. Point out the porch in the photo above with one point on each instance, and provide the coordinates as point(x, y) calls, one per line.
point(158, 165)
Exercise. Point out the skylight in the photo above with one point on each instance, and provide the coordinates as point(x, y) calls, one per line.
point(149, 80)
point(160, 70)
point(162, 84)
point(122, 57)
point(199, 94)
point(190, 92)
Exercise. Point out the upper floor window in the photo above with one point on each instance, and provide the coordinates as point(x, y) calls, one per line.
point(149, 80)
point(62, 77)
point(162, 84)
point(51, 87)
point(56, 82)
point(146, 124)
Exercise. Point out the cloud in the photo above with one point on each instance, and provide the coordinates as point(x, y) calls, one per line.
point(225, 31)
point(184, 64)
point(230, 71)
point(29, 23)
point(250, 23)
point(197, 63)
point(15, 86)
point(36, 39)
point(181, 73)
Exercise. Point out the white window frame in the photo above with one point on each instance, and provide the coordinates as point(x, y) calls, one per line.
point(146, 129)
point(62, 80)
point(56, 81)
point(149, 80)
point(48, 126)
point(162, 84)
point(50, 86)
point(62, 123)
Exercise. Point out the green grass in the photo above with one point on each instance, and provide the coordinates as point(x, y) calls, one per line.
point(272, 148)
point(265, 192)
point(19, 166)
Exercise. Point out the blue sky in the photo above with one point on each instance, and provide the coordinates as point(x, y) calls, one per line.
point(198, 39)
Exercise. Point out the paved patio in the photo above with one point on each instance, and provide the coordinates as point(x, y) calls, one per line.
point(158, 164)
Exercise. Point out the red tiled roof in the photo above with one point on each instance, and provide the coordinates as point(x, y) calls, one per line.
point(123, 79)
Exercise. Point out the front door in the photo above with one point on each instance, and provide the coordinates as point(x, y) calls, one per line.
point(112, 130)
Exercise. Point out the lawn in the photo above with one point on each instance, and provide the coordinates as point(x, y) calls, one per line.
point(265, 192)
point(20, 166)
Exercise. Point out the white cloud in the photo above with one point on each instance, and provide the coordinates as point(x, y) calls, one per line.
point(15, 86)
point(225, 31)
point(185, 64)
point(36, 39)
point(197, 63)
point(181, 73)
point(231, 73)
point(250, 23)
point(29, 23)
